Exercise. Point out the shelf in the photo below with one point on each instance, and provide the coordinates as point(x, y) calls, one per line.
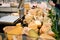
point(8, 9)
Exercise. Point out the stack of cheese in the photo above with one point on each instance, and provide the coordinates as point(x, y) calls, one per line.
point(39, 16)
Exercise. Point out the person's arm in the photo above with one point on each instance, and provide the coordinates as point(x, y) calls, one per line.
point(57, 6)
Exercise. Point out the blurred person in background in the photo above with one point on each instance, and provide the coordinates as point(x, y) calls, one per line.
point(54, 4)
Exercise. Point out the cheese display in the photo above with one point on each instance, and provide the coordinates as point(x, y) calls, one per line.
point(39, 24)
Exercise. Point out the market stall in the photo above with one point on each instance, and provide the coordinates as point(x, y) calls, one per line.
point(39, 22)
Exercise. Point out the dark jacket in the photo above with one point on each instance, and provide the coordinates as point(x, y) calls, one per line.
point(57, 6)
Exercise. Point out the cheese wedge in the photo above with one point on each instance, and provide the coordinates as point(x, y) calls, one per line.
point(46, 37)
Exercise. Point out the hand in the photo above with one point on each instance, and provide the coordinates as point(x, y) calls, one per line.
point(51, 3)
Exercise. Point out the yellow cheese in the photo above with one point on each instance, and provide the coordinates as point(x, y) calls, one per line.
point(8, 28)
point(32, 25)
point(16, 31)
point(27, 6)
point(51, 33)
point(46, 37)
point(18, 25)
point(45, 29)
